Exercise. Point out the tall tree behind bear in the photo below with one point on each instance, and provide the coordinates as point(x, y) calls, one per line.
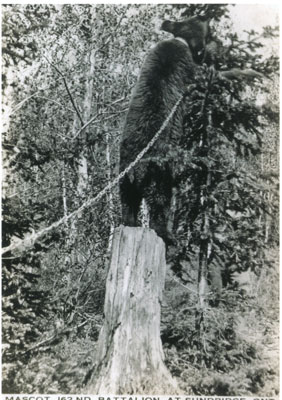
point(164, 77)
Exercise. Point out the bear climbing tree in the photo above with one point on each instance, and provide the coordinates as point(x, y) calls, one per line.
point(166, 73)
point(130, 358)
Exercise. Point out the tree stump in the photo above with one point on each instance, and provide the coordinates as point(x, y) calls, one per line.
point(130, 357)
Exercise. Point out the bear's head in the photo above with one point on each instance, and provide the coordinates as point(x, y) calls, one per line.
point(194, 31)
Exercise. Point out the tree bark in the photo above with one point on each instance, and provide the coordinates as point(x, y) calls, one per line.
point(130, 358)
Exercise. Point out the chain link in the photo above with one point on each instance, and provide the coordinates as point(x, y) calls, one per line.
point(115, 181)
point(30, 240)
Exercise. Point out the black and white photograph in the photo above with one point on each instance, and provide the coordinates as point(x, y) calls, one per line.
point(140, 199)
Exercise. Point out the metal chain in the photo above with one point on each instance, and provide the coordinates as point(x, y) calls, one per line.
point(30, 240)
point(130, 166)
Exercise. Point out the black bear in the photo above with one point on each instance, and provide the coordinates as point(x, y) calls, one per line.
point(167, 71)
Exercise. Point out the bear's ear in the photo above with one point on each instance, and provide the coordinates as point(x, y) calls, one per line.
point(168, 26)
point(204, 18)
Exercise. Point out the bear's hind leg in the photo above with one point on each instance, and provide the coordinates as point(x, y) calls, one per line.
point(130, 200)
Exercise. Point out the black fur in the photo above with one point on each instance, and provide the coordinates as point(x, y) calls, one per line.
point(194, 31)
point(164, 77)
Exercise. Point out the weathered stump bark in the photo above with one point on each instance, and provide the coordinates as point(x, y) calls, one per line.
point(130, 358)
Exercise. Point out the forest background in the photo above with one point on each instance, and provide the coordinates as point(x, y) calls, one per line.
point(68, 72)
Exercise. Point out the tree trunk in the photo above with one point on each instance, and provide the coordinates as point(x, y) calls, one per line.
point(205, 243)
point(130, 358)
